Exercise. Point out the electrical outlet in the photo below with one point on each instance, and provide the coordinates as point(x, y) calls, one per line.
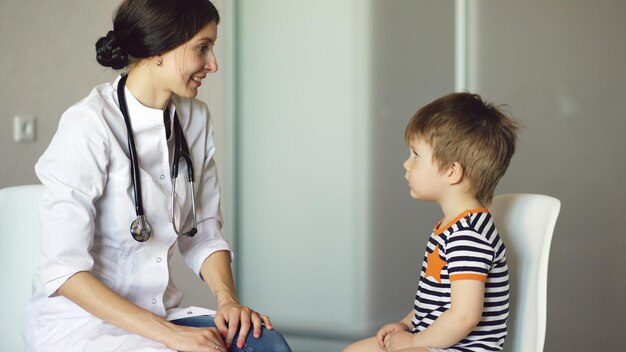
point(24, 128)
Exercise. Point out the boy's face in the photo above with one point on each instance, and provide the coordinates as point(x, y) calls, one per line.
point(425, 180)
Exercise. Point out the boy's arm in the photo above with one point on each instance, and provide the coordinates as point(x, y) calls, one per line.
point(453, 325)
point(456, 323)
point(408, 319)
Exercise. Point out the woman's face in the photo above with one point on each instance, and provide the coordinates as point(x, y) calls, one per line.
point(184, 67)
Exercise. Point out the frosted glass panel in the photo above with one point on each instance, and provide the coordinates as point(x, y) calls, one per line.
point(297, 161)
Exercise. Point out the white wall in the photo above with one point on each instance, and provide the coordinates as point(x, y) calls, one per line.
point(47, 62)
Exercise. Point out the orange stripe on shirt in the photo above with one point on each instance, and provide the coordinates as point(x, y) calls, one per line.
point(478, 277)
point(440, 229)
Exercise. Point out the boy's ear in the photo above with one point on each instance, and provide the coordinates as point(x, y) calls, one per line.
point(455, 173)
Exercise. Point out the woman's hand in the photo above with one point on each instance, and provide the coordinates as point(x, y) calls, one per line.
point(190, 339)
point(231, 316)
point(388, 329)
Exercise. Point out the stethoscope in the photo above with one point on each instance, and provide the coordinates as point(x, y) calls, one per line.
point(140, 228)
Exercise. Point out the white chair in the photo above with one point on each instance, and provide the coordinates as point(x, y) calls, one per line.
point(19, 257)
point(526, 223)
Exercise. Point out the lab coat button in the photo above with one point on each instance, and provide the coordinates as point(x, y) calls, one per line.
point(162, 176)
point(158, 259)
point(154, 301)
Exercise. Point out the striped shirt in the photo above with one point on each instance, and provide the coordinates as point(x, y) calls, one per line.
point(469, 248)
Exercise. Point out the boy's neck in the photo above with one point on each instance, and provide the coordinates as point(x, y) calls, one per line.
point(454, 205)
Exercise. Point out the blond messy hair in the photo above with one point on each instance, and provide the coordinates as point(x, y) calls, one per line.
point(462, 127)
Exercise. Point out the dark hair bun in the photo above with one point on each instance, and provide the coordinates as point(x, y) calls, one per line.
point(109, 52)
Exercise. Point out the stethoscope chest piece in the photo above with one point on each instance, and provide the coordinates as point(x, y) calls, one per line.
point(140, 229)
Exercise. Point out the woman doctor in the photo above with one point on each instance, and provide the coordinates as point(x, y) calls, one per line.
point(102, 285)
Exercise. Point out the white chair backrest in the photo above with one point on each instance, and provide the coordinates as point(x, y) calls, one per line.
point(526, 223)
point(19, 257)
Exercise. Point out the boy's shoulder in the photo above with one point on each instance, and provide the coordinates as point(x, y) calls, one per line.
point(474, 225)
point(470, 220)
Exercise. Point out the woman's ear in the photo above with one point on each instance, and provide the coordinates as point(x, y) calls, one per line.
point(455, 173)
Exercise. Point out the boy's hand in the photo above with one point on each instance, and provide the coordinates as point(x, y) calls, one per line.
point(398, 340)
point(386, 330)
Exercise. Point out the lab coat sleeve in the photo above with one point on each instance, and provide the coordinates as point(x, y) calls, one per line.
point(209, 238)
point(73, 170)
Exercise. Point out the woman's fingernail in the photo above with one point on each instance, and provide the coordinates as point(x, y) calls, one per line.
point(240, 344)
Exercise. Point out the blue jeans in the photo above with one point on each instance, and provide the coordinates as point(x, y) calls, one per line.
point(269, 341)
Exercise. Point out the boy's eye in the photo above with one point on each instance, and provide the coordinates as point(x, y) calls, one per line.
point(415, 155)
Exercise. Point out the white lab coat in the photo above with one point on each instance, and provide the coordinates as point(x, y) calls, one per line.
point(88, 208)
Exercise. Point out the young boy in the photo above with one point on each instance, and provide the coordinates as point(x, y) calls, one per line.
point(460, 147)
